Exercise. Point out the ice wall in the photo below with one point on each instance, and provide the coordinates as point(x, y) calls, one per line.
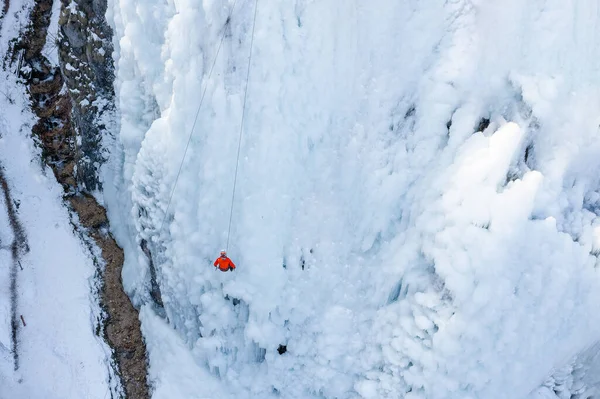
point(417, 198)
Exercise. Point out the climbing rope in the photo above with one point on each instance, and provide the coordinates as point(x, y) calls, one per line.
point(237, 162)
point(198, 113)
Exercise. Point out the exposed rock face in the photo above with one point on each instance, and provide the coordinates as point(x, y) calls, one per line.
point(122, 327)
point(49, 102)
point(74, 104)
point(85, 51)
point(91, 215)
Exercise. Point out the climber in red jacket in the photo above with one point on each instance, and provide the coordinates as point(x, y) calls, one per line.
point(224, 263)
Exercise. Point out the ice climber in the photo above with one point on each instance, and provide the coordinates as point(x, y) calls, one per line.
point(224, 263)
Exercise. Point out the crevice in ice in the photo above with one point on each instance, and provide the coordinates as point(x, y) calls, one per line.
point(155, 293)
point(483, 124)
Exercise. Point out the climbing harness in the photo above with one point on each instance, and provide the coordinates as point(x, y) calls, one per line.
point(241, 124)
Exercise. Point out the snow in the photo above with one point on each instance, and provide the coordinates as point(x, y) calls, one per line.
point(72, 7)
point(393, 248)
point(175, 361)
point(59, 355)
point(50, 50)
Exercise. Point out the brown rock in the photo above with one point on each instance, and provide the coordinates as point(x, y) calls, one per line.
point(91, 214)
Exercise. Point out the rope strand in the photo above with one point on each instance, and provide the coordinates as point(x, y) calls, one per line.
point(196, 117)
point(242, 124)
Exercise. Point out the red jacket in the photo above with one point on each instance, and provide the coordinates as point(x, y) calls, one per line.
point(224, 264)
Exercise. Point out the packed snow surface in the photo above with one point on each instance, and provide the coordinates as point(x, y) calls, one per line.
point(417, 201)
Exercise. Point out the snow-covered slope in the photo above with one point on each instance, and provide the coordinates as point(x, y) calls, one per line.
point(48, 313)
point(394, 248)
